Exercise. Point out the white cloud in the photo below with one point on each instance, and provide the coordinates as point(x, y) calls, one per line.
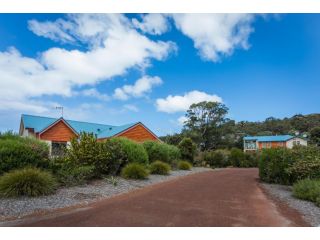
point(131, 107)
point(153, 23)
point(182, 120)
point(140, 88)
point(172, 104)
point(215, 35)
point(53, 30)
point(58, 71)
point(92, 92)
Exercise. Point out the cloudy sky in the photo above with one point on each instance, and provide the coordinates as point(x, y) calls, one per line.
point(118, 69)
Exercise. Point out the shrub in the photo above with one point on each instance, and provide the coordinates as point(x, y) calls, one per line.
point(87, 151)
point(134, 152)
point(30, 182)
point(184, 165)
point(68, 173)
point(187, 149)
point(307, 189)
point(218, 158)
point(117, 156)
point(174, 153)
point(18, 152)
point(160, 168)
point(273, 165)
point(134, 171)
point(157, 151)
point(250, 160)
point(237, 157)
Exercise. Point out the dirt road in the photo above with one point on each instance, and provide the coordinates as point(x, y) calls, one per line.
point(229, 197)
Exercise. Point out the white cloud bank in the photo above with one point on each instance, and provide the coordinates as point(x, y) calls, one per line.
point(139, 89)
point(172, 104)
point(216, 35)
point(153, 23)
point(57, 71)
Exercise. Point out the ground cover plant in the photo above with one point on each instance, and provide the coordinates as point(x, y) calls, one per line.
point(160, 168)
point(184, 165)
point(308, 189)
point(29, 182)
point(134, 171)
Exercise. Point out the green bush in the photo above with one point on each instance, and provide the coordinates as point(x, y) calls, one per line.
point(117, 156)
point(174, 153)
point(157, 151)
point(30, 182)
point(307, 189)
point(274, 164)
point(134, 152)
point(134, 171)
point(18, 152)
point(237, 157)
point(187, 149)
point(184, 165)
point(218, 158)
point(87, 151)
point(250, 160)
point(160, 168)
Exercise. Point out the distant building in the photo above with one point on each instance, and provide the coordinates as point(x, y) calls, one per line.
point(57, 132)
point(254, 143)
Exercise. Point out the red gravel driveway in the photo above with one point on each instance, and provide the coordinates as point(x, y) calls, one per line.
point(228, 197)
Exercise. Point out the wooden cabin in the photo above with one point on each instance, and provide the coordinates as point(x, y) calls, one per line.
point(57, 132)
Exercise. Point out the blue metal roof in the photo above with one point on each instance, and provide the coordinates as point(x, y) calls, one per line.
point(278, 138)
point(101, 130)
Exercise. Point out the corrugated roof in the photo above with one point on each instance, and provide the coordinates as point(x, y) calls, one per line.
point(277, 138)
point(39, 123)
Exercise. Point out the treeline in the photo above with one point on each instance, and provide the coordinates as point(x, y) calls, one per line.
point(208, 126)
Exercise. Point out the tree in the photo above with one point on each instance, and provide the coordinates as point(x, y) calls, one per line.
point(205, 122)
point(315, 135)
point(187, 149)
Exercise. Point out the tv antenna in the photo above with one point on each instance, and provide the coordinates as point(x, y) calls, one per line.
point(60, 108)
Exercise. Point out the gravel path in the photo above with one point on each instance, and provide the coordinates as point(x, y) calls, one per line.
point(309, 211)
point(18, 207)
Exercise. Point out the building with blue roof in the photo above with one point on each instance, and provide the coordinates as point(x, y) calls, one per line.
point(255, 143)
point(58, 132)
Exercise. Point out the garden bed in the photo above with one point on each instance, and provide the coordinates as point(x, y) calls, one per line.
point(12, 208)
point(309, 211)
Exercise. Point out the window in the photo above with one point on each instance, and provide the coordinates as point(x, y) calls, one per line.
point(250, 145)
point(58, 148)
point(268, 144)
point(264, 145)
point(280, 144)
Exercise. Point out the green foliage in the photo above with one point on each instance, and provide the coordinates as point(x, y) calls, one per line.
point(306, 163)
point(173, 139)
point(273, 165)
point(315, 135)
point(160, 168)
point(218, 158)
point(87, 151)
point(184, 165)
point(134, 171)
point(286, 166)
point(134, 152)
point(187, 149)
point(174, 153)
point(157, 151)
point(161, 151)
point(235, 158)
point(18, 152)
point(307, 189)
point(206, 121)
point(29, 182)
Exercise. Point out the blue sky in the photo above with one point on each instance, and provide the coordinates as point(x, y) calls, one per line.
point(117, 69)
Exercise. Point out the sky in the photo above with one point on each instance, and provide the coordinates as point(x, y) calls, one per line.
point(122, 68)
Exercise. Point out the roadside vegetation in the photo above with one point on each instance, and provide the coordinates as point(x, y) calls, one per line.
point(26, 169)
